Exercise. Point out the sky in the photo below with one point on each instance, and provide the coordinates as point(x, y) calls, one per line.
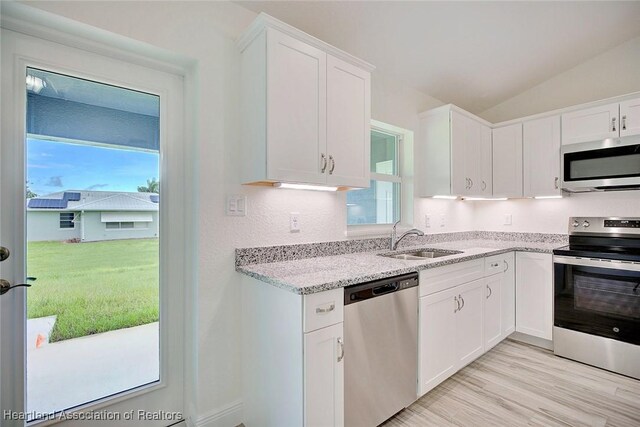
point(57, 166)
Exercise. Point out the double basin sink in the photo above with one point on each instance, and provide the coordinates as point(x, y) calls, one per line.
point(421, 254)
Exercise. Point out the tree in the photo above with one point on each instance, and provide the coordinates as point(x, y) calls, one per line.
point(30, 194)
point(153, 186)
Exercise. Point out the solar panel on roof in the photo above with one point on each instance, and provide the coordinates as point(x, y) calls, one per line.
point(71, 196)
point(48, 204)
point(155, 198)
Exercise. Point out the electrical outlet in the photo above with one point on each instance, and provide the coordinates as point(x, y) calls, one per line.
point(508, 219)
point(427, 221)
point(294, 222)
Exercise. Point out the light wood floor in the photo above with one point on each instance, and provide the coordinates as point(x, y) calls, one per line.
point(516, 384)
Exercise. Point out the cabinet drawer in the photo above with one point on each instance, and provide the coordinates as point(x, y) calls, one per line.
point(323, 309)
point(448, 276)
point(495, 264)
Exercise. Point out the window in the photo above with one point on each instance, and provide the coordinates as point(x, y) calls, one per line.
point(381, 202)
point(118, 225)
point(67, 220)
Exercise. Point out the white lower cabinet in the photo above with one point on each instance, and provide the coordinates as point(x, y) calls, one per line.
point(450, 334)
point(460, 323)
point(324, 377)
point(292, 357)
point(534, 294)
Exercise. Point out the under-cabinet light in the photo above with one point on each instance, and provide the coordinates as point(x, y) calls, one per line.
point(446, 197)
point(304, 187)
point(484, 198)
point(548, 197)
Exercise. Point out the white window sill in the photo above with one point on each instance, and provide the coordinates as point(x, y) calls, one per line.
point(374, 230)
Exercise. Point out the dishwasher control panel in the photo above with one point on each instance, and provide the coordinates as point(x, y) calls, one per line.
point(368, 290)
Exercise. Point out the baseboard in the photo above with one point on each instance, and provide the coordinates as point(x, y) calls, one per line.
point(529, 339)
point(227, 416)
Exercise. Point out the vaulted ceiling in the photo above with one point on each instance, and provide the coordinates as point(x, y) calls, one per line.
point(473, 54)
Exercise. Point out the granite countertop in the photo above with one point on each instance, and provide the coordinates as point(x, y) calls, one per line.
point(311, 275)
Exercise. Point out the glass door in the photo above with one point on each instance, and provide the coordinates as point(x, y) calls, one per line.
point(96, 152)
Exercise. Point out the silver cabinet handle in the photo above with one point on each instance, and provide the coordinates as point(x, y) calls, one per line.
point(457, 308)
point(495, 264)
point(333, 165)
point(624, 122)
point(506, 266)
point(490, 291)
point(555, 182)
point(4, 253)
point(462, 301)
point(323, 160)
point(484, 185)
point(471, 181)
point(325, 310)
point(467, 183)
point(613, 124)
point(341, 345)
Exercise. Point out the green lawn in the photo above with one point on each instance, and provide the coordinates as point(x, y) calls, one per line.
point(93, 287)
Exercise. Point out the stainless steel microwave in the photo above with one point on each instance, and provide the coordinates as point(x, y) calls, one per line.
point(606, 165)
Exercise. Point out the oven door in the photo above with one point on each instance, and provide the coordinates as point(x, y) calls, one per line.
point(602, 165)
point(598, 297)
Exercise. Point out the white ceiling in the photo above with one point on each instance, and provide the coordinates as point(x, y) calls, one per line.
point(472, 54)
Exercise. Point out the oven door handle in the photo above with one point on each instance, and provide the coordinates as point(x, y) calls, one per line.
point(599, 263)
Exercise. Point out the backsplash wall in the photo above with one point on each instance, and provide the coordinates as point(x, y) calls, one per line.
point(551, 216)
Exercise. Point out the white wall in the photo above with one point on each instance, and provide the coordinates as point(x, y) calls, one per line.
point(204, 32)
point(612, 73)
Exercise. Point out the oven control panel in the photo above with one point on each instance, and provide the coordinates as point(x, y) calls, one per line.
point(607, 226)
point(624, 223)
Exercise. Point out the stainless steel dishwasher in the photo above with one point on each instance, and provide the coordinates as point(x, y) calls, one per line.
point(381, 349)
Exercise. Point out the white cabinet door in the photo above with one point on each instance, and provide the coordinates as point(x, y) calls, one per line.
point(541, 141)
point(466, 137)
point(348, 124)
point(324, 377)
point(590, 124)
point(534, 294)
point(493, 311)
point(469, 338)
point(437, 344)
point(296, 109)
point(485, 188)
point(508, 294)
point(630, 117)
point(507, 161)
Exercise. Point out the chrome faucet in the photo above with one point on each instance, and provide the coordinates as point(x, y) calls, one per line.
point(393, 244)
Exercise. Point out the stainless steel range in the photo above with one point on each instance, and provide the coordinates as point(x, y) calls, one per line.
point(597, 294)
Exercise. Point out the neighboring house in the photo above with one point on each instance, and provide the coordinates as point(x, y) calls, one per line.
point(91, 216)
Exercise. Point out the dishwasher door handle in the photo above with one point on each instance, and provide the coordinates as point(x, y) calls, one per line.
point(385, 289)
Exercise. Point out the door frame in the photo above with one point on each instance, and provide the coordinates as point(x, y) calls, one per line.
point(22, 51)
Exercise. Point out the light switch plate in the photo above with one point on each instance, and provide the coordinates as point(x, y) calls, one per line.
point(236, 205)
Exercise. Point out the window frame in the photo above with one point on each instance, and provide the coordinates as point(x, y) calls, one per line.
point(72, 220)
point(404, 178)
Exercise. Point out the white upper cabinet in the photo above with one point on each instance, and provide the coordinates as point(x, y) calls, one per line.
point(507, 161)
point(296, 110)
point(348, 123)
point(541, 142)
point(630, 117)
point(306, 108)
point(453, 156)
point(590, 124)
point(606, 121)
